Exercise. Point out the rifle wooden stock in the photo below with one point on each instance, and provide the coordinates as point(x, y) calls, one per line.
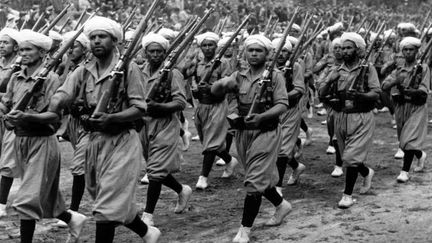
point(130, 18)
point(56, 20)
point(182, 34)
point(109, 96)
point(174, 55)
point(266, 77)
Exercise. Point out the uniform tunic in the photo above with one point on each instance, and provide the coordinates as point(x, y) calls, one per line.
point(161, 134)
point(258, 150)
point(290, 120)
point(7, 160)
point(112, 161)
point(210, 119)
point(37, 157)
point(354, 131)
point(411, 120)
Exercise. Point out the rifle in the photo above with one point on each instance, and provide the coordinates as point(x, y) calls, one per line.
point(222, 26)
point(159, 90)
point(56, 20)
point(129, 19)
point(358, 84)
point(297, 48)
point(350, 23)
point(368, 31)
point(182, 34)
point(424, 22)
point(424, 33)
point(267, 27)
point(361, 25)
point(272, 29)
point(109, 100)
point(38, 21)
point(81, 17)
point(415, 78)
point(64, 26)
point(28, 95)
point(263, 84)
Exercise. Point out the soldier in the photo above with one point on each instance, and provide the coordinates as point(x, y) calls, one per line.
point(37, 151)
point(290, 120)
point(258, 142)
point(211, 112)
point(411, 117)
point(114, 151)
point(9, 39)
point(162, 127)
point(354, 121)
point(334, 62)
point(71, 128)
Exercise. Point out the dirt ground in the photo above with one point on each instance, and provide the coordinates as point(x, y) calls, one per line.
point(391, 212)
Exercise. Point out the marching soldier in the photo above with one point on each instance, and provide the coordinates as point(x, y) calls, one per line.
point(411, 116)
point(114, 151)
point(9, 39)
point(37, 151)
point(160, 134)
point(354, 121)
point(259, 141)
point(211, 112)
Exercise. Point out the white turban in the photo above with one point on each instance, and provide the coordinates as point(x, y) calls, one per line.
point(354, 37)
point(287, 44)
point(410, 41)
point(82, 39)
point(389, 33)
point(296, 27)
point(222, 42)
point(260, 40)
point(294, 41)
point(211, 36)
point(128, 35)
point(335, 41)
point(167, 33)
point(406, 26)
point(336, 27)
point(11, 33)
point(155, 38)
point(37, 39)
point(105, 24)
point(55, 35)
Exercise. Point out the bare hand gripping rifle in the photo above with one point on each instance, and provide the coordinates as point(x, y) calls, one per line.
point(160, 91)
point(109, 100)
point(264, 85)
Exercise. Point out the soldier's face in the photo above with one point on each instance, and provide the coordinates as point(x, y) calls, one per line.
point(283, 56)
point(409, 53)
point(101, 43)
point(7, 46)
point(256, 54)
point(349, 51)
point(77, 51)
point(208, 48)
point(30, 53)
point(337, 51)
point(155, 53)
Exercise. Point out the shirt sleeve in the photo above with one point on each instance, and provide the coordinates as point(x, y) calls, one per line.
point(425, 83)
point(373, 81)
point(6, 101)
point(298, 79)
point(280, 95)
point(177, 90)
point(69, 88)
point(135, 87)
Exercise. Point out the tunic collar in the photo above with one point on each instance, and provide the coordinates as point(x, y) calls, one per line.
point(92, 67)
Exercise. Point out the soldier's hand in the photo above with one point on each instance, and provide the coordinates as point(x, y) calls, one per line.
point(352, 94)
point(334, 76)
point(254, 120)
point(15, 117)
point(153, 108)
point(100, 119)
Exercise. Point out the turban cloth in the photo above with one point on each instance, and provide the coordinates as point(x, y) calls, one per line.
point(294, 41)
point(410, 41)
point(82, 39)
point(287, 44)
point(155, 38)
point(211, 36)
point(296, 27)
point(167, 33)
point(354, 37)
point(336, 27)
point(406, 26)
point(11, 33)
point(55, 35)
point(37, 39)
point(105, 24)
point(260, 40)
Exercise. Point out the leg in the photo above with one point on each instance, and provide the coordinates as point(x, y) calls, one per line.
point(5, 186)
point(350, 180)
point(27, 228)
point(282, 207)
point(78, 187)
point(252, 204)
point(298, 169)
point(208, 160)
point(338, 171)
point(281, 164)
point(105, 232)
point(153, 193)
point(184, 192)
point(407, 162)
